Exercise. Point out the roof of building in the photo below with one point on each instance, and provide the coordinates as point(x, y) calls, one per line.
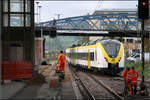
point(115, 10)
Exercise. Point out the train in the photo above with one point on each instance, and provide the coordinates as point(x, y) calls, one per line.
point(105, 55)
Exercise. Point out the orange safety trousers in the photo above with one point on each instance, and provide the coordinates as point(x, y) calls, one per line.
point(125, 77)
point(61, 66)
point(61, 60)
point(129, 89)
point(128, 80)
point(132, 77)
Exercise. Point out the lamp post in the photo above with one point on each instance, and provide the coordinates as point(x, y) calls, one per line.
point(56, 39)
point(39, 13)
point(37, 3)
point(39, 20)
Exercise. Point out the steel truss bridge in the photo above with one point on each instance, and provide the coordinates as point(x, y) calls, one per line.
point(119, 23)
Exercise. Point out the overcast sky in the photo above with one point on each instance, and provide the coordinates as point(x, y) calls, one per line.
point(50, 9)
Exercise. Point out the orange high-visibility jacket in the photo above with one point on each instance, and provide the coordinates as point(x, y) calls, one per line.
point(132, 75)
point(61, 58)
point(124, 74)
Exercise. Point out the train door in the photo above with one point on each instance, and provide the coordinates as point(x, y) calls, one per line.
point(89, 60)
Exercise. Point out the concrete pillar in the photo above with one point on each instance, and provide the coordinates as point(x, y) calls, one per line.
point(38, 50)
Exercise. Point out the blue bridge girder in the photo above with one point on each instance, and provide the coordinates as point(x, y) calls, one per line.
point(104, 22)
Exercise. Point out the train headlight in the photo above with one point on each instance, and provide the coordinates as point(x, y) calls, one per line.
point(106, 59)
point(119, 58)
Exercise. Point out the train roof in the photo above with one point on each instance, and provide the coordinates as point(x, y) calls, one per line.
point(112, 40)
point(96, 41)
point(101, 41)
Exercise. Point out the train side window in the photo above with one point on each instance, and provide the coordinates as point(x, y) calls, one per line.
point(79, 55)
point(92, 56)
point(86, 56)
point(95, 55)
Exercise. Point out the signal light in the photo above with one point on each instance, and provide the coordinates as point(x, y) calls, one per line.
point(143, 3)
point(143, 9)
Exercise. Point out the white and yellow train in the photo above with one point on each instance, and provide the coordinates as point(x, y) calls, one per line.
point(105, 55)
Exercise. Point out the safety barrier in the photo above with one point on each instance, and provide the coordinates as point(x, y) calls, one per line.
point(16, 70)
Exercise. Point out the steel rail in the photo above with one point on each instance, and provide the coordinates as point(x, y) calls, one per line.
point(90, 95)
point(106, 87)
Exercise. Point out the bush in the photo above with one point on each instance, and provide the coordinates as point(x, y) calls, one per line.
point(138, 68)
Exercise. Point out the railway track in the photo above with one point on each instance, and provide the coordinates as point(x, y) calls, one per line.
point(108, 88)
point(92, 88)
point(115, 83)
point(86, 93)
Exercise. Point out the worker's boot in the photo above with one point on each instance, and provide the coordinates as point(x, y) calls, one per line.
point(63, 74)
point(57, 71)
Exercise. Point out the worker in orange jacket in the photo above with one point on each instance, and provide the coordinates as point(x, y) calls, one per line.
point(61, 61)
point(134, 81)
point(132, 76)
point(124, 74)
point(128, 81)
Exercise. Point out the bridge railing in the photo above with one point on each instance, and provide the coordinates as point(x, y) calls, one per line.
point(113, 22)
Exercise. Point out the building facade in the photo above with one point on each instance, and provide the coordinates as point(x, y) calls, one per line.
point(17, 38)
point(132, 43)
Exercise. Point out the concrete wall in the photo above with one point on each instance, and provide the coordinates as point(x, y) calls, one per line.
point(18, 42)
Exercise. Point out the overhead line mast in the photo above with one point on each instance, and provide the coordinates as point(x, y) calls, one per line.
point(143, 14)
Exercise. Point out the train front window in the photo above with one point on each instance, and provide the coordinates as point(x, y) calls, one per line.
point(111, 47)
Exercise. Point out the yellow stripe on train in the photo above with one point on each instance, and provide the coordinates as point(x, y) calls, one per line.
point(109, 60)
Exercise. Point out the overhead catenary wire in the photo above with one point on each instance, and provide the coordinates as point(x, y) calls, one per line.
point(99, 4)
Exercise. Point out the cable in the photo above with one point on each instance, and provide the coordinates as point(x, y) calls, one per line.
point(99, 4)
